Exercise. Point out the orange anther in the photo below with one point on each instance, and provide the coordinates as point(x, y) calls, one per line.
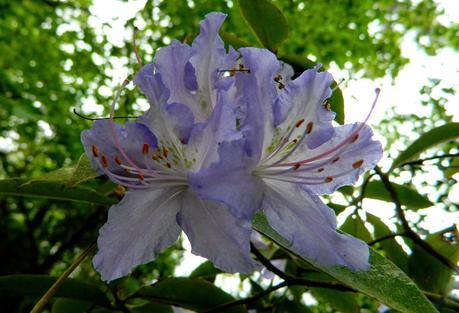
point(296, 166)
point(298, 124)
point(328, 179)
point(320, 169)
point(118, 161)
point(168, 165)
point(104, 161)
point(354, 139)
point(145, 148)
point(141, 177)
point(335, 159)
point(309, 127)
point(165, 152)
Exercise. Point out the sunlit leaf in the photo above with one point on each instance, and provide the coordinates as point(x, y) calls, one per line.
point(206, 271)
point(22, 187)
point(266, 20)
point(393, 250)
point(383, 281)
point(433, 137)
point(356, 227)
point(189, 293)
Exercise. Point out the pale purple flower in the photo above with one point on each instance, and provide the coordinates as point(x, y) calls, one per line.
point(288, 155)
point(190, 115)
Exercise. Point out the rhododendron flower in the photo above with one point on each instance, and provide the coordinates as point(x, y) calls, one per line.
point(227, 134)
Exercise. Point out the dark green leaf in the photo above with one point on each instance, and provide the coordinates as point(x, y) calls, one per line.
point(390, 246)
point(356, 227)
point(266, 21)
point(338, 208)
point(64, 305)
point(433, 137)
point(345, 302)
point(189, 293)
point(206, 271)
point(430, 274)
point(22, 187)
point(383, 281)
point(152, 308)
point(37, 285)
point(288, 306)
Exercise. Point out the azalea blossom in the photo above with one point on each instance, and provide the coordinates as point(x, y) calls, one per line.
point(227, 134)
point(190, 115)
point(288, 155)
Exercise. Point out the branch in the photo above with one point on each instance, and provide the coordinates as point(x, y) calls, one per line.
point(408, 231)
point(389, 236)
point(421, 161)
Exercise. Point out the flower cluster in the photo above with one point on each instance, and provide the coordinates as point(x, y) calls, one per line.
point(228, 133)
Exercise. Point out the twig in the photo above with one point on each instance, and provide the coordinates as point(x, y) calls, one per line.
point(389, 236)
point(267, 263)
point(40, 305)
point(408, 231)
point(421, 161)
point(134, 45)
point(248, 300)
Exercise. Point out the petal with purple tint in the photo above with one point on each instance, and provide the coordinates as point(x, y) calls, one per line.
point(217, 235)
point(102, 149)
point(137, 230)
point(344, 166)
point(230, 180)
point(310, 227)
point(181, 120)
point(206, 137)
point(151, 84)
point(303, 100)
point(209, 59)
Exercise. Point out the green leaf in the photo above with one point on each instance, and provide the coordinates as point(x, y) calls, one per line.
point(189, 293)
point(291, 307)
point(383, 281)
point(266, 21)
point(345, 302)
point(73, 175)
point(408, 197)
point(390, 246)
point(427, 140)
point(205, 271)
point(64, 305)
point(151, 308)
point(453, 169)
point(338, 208)
point(438, 279)
point(22, 187)
point(233, 40)
point(356, 227)
point(37, 285)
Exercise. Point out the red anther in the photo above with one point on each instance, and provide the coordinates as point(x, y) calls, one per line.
point(335, 159)
point(145, 148)
point(118, 161)
point(165, 152)
point(357, 164)
point(168, 165)
point(320, 169)
point(309, 127)
point(328, 179)
point(104, 161)
point(296, 166)
point(95, 151)
point(354, 139)
point(298, 124)
point(141, 177)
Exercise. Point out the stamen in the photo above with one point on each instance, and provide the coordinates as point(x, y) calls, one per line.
point(165, 152)
point(141, 177)
point(320, 169)
point(309, 127)
point(327, 106)
point(168, 165)
point(95, 151)
point(335, 159)
point(298, 124)
point(355, 138)
point(357, 164)
point(328, 179)
point(134, 45)
point(296, 166)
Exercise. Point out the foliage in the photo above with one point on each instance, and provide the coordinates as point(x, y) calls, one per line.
point(53, 60)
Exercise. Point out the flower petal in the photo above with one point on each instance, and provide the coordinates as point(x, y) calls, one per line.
point(151, 84)
point(230, 180)
point(217, 235)
point(99, 142)
point(345, 167)
point(137, 230)
point(303, 99)
point(310, 226)
point(210, 57)
point(181, 119)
